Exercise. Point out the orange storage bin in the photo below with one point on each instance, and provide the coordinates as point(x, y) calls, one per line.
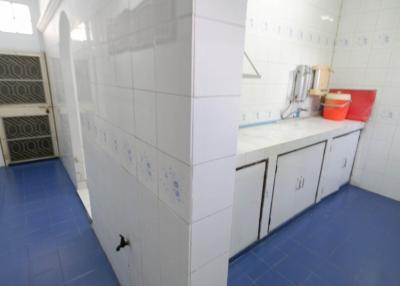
point(336, 106)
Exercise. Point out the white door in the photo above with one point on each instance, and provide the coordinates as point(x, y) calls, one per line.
point(296, 183)
point(27, 129)
point(339, 162)
point(248, 194)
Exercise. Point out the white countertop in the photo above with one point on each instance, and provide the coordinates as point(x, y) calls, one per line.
point(254, 143)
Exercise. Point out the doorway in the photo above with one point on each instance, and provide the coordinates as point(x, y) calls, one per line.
point(74, 157)
point(27, 128)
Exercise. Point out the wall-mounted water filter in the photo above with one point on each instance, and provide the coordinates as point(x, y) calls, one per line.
point(303, 80)
point(322, 74)
point(307, 80)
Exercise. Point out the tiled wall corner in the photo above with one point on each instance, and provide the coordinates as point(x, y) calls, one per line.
point(214, 273)
point(211, 238)
point(211, 191)
point(218, 49)
point(367, 57)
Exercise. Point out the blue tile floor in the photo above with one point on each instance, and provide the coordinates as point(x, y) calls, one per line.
point(351, 238)
point(45, 234)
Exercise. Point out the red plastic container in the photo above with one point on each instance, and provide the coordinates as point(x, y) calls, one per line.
point(336, 106)
point(361, 105)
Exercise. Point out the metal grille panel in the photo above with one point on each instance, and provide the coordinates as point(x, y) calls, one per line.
point(20, 92)
point(20, 67)
point(26, 127)
point(28, 149)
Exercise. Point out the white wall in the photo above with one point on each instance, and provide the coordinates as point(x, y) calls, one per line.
point(367, 56)
point(152, 114)
point(65, 103)
point(2, 163)
point(281, 34)
point(21, 42)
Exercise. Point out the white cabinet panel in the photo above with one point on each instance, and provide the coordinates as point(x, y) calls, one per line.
point(246, 206)
point(339, 163)
point(296, 183)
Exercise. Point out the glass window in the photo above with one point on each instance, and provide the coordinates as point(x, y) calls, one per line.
point(15, 18)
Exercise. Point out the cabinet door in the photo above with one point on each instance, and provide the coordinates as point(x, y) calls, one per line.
point(340, 162)
point(246, 206)
point(351, 143)
point(296, 183)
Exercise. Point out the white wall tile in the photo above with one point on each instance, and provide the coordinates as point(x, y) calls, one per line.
point(390, 4)
point(213, 187)
point(208, 245)
point(174, 178)
point(147, 166)
point(223, 10)
point(388, 19)
point(123, 69)
point(173, 55)
point(143, 68)
point(391, 187)
point(214, 273)
point(217, 44)
point(214, 127)
point(128, 154)
point(173, 125)
point(150, 238)
point(145, 116)
point(174, 251)
point(116, 105)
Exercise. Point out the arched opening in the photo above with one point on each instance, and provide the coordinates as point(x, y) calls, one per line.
point(73, 155)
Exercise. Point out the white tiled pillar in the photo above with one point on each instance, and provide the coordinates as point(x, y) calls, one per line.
point(158, 85)
point(217, 70)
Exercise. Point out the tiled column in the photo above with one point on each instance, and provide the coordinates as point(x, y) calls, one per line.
point(217, 71)
point(159, 84)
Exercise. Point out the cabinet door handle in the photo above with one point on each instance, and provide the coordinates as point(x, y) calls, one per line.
point(302, 183)
point(345, 163)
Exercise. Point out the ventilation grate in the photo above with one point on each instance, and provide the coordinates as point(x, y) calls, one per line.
point(26, 127)
point(28, 149)
point(20, 67)
point(28, 137)
point(21, 92)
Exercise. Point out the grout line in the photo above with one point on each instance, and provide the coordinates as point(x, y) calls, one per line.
point(212, 214)
point(211, 19)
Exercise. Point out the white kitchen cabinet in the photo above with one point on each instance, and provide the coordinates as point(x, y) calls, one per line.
point(249, 188)
point(339, 163)
point(296, 183)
